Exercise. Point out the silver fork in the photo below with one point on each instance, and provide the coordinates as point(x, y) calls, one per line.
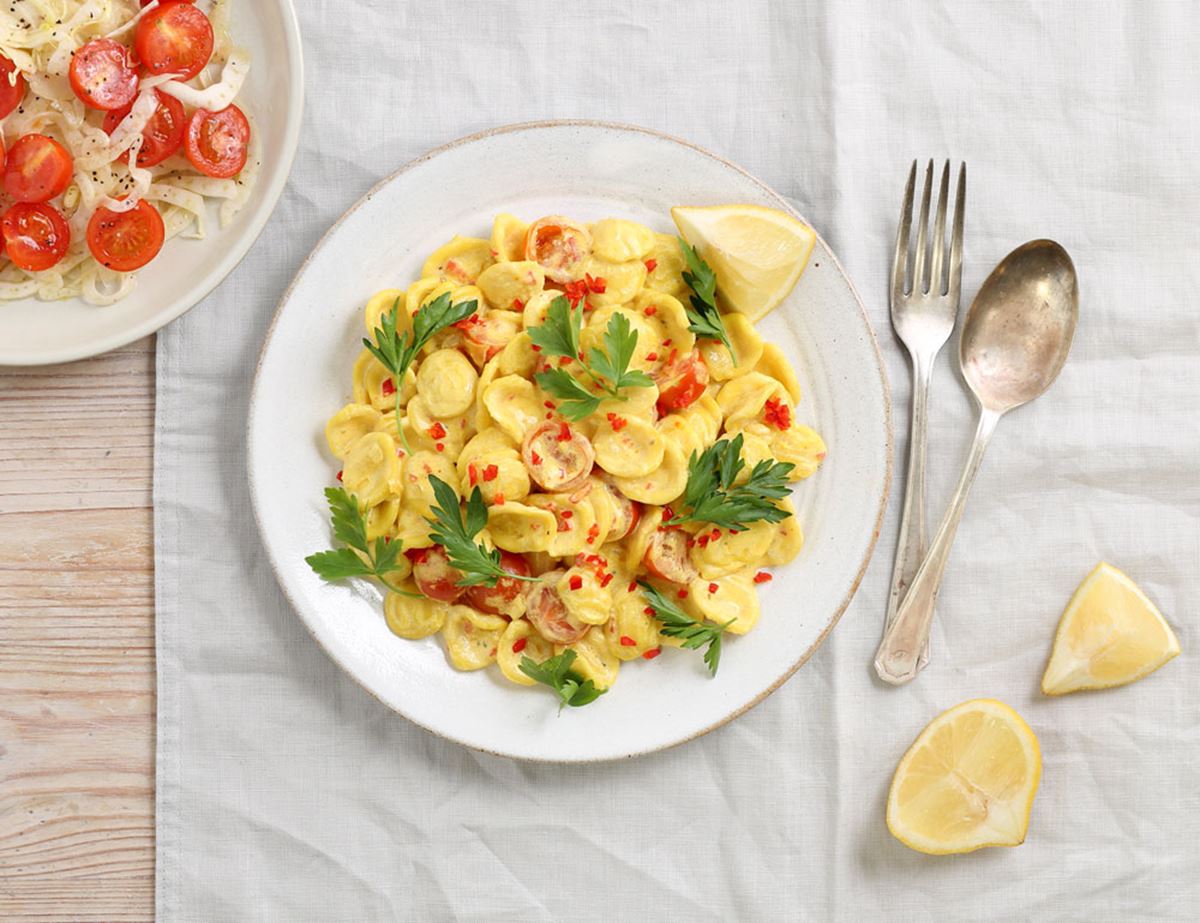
point(925, 303)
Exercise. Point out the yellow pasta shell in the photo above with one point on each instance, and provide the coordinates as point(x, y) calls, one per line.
point(508, 286)
point(747, 347)
point(619, 241)
point(468, 646)
point(413, 618)
point(348, 425)
point(460, 261)
point(633, 451)
point(446, 381)
point(520, 528)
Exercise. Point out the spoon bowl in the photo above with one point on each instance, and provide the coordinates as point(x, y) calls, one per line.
point(1018, 331)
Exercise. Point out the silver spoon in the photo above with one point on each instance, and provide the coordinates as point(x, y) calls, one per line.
point(1015, 339)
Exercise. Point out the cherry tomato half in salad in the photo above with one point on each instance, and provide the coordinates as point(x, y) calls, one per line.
point(163, 134)
point(103, 75)
point(434, 576)
point(165, 2)
point(37, 169)
point(218, 143)
point(549, 616)
point(175, 38)
point(126, 241)
point(681, 383)
point(559, 246)
point(496, 599)
point(12, 86)
point(36, 235)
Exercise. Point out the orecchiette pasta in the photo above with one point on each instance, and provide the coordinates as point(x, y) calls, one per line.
point(582, 508)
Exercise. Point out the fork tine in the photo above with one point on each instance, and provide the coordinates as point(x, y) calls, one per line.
point(920, 277)
point(954, 281)
point(900, 259)
point(937, 261)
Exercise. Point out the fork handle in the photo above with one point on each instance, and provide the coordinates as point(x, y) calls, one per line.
point(898, 658)
point(910, 549)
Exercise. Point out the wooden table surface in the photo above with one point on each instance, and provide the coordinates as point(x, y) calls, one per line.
point(77, 640)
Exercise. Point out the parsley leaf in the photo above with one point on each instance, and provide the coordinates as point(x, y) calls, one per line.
point(678, 624)
point(479, 565)
point(702, 311)
point(555, 672)
point(360, 559)
point(711, 495)
point(575, 400)
point(396, 351)
point(558, 334)
point(620, 341)
point(607, 368)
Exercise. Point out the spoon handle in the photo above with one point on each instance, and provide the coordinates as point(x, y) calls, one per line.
point(898, 659)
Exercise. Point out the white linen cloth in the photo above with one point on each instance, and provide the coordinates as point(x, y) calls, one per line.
point(287, 793)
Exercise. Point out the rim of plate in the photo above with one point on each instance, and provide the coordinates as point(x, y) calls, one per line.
point(202, 289)
point(784, 206)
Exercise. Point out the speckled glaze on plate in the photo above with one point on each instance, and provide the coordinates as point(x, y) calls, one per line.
point(587, 170)
point(36, 332)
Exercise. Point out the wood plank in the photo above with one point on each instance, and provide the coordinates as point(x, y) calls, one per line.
point(77, 640)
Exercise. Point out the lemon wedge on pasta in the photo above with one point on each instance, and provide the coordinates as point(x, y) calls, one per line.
point(757, 253)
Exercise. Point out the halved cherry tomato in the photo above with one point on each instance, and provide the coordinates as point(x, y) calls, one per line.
point(163, 134)
point(487, 334)
point(622, 527)
point(557, 457)
point(102, 74)
point(126, 241)
point(549, 616)
point(559, 246)
point(682, 382)
point(435, 577)
point(12, 86)
point(498, 600)
point(176, 38)
point(37, 169)
point(36, 235)
point(218, 142)
point(165, 2)
point(667, 556)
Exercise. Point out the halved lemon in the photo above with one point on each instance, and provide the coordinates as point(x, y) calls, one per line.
point(757, 253)
point(967, 781)
point(1109, 635)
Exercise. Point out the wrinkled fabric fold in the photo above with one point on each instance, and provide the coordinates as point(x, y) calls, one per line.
point(285, 792)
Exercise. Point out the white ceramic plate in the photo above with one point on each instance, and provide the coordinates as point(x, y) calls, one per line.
point(37, 332)
point(589, 171)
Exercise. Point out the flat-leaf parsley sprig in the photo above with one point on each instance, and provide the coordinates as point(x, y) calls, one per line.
point(396, 351)
point(480, 565)
point(702, 311)
point(607, 368)
point(360, 558)
point(675, 623)
point(712, 496)
point(555, 672)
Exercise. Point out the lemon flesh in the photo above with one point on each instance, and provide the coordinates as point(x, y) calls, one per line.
point(1109, 635)
point(757, 253)
point(967, 781)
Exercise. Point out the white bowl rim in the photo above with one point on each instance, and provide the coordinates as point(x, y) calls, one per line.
point(205, 286)
point(885, 385)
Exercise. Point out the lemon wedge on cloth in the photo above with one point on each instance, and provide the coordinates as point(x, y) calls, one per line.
point(967, 781)
point(1109, 635)
point(757, 253)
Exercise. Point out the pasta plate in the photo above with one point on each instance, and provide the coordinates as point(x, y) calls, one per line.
point(589, 170)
